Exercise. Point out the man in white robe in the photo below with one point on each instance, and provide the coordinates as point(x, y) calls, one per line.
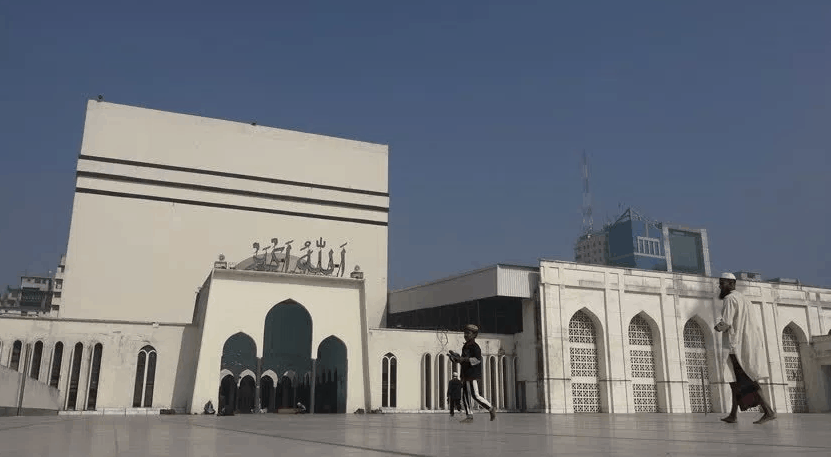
point(744, 351)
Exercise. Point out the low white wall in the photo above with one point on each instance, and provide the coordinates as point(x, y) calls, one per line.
point(36, 395)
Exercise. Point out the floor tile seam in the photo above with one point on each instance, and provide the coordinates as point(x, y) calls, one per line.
point(304, 440)
point(34, 424)
point(624, 438)
point(361, 427)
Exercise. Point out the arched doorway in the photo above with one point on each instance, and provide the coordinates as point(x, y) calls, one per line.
point(267, 393)
point(238, 354)
point(642, 360)
point(287, 348)
point(585, 366)
point(698, 368)
point(287, 391)
point(330, 390)
point(227, 396)
point(793, 371)
point(247, 390)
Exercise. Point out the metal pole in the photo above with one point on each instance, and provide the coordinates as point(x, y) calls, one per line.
point(703, 392)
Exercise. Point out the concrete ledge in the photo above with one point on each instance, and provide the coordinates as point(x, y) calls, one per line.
point(115, 412)
point(7, 411)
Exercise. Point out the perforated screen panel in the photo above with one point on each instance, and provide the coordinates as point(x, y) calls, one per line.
point(698, 373)
point(640, 333)
point(642, 362)
point(585, 391)
point(581, 329)
point(586, 397)
point(793, 372)
point(645, 396)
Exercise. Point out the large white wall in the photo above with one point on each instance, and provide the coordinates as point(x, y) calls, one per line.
point(238, 301)
point(143, 259)
point(611, 297)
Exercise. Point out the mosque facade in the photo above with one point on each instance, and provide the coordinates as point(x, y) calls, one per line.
point(246, 266)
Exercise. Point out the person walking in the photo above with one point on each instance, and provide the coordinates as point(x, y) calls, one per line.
point(744, 360)
point(471, 360)
point(454, 394)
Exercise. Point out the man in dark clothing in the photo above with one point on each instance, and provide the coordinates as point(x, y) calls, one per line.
point(454, 394)
point(471, 361)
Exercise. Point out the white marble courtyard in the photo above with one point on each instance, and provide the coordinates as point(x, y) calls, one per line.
point(415, 435)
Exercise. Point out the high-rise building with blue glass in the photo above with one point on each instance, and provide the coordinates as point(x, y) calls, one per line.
point(635, 241)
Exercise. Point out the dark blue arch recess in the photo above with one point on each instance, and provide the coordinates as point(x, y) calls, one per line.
point(239, 353)
point(287, 347)
point(330, 391)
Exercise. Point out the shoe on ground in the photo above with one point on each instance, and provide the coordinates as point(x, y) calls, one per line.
point(729, 420)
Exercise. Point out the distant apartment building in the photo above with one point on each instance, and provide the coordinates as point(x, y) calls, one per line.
point(35, 295)
point(634, 241)
point(57, 286)
point(592, 248)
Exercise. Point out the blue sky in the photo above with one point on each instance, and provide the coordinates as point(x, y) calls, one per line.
point(710, 114)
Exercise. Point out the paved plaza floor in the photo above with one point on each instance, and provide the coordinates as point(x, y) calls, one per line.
point(415, 435)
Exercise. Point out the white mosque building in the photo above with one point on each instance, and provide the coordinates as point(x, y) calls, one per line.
point(246, 266)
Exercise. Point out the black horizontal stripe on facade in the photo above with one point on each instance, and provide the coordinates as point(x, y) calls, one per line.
point(223, 190)
point(83, 190)
point(231, 175)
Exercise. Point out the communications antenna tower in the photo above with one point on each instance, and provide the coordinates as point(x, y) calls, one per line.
point(588, 221)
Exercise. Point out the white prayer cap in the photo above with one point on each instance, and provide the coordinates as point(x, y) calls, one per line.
point(455, 375)
point(728, 276)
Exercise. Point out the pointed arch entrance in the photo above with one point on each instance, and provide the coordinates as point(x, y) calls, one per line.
point(247, 391)
point(267, 393)
point(287, 350)
point(793, 369)
point(585, 388)
point(698, 368)
point(287, 392)
point(642, 362)
point(227, 395)
point(239, 354)
point(330, 388)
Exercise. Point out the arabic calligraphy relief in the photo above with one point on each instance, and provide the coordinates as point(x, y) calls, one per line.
point(281, 259)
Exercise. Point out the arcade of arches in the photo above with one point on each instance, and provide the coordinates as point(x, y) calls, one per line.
point(588, 364)
point(286, 374)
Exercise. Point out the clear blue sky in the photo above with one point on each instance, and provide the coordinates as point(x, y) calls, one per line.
point(710, 114)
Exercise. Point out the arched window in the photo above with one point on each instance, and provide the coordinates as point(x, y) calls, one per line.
point(14, 363)
point(74, 376)
point(57, 358)
point(145, 378)
point(94, 374)
point(389, 377)
point(427, 377)
point(582, 338)
point(440, 365)
point(793, 371)
point(642, 359)
point(698, 373)
point(37, 355)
